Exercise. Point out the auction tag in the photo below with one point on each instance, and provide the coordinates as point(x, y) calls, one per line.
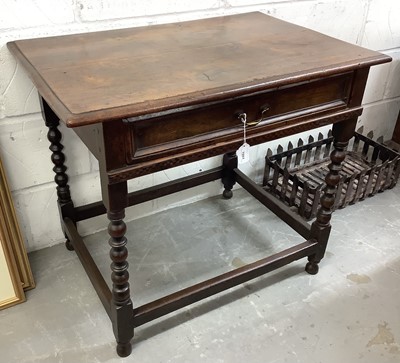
point(243, 153)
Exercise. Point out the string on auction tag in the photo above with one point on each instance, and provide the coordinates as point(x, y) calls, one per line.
point(243, 153)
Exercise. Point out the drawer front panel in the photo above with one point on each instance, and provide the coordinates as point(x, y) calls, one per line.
point(165, 134)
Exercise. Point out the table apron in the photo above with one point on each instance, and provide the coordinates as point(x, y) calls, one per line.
point(183, 156)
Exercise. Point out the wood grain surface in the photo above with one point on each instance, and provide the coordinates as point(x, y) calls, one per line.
point(100, 76)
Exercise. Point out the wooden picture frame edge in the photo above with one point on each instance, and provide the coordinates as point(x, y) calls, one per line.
point(14, 233)
point(5, 244)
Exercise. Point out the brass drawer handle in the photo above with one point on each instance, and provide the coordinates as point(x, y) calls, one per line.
point(243, 117)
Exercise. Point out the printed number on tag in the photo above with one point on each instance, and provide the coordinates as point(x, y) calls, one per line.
point(243, 153)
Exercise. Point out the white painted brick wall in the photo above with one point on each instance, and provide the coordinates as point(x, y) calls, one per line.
point(382, 26)
point(23, 142)
point(342, 19)
point(94, 10)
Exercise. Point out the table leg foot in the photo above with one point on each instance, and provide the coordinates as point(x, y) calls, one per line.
point(124, 349)
point(227, 194)
point(68, 245)
point(312, 267)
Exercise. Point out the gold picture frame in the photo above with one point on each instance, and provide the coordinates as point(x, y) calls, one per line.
point(11, 291)
point(14, 234)
point(15, 272)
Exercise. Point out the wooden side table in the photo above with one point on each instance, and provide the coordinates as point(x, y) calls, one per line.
point(150, 98)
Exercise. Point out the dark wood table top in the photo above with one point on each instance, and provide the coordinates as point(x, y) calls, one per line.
point(100, 76)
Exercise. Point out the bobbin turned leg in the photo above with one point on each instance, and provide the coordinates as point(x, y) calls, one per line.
point(321, 227)
point(229, 163)
point(115, 199)
point(65, 204)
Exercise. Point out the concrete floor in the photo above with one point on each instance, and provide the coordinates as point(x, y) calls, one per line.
point(349, 312)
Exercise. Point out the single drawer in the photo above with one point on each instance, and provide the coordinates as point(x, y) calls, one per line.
point(176, 130)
